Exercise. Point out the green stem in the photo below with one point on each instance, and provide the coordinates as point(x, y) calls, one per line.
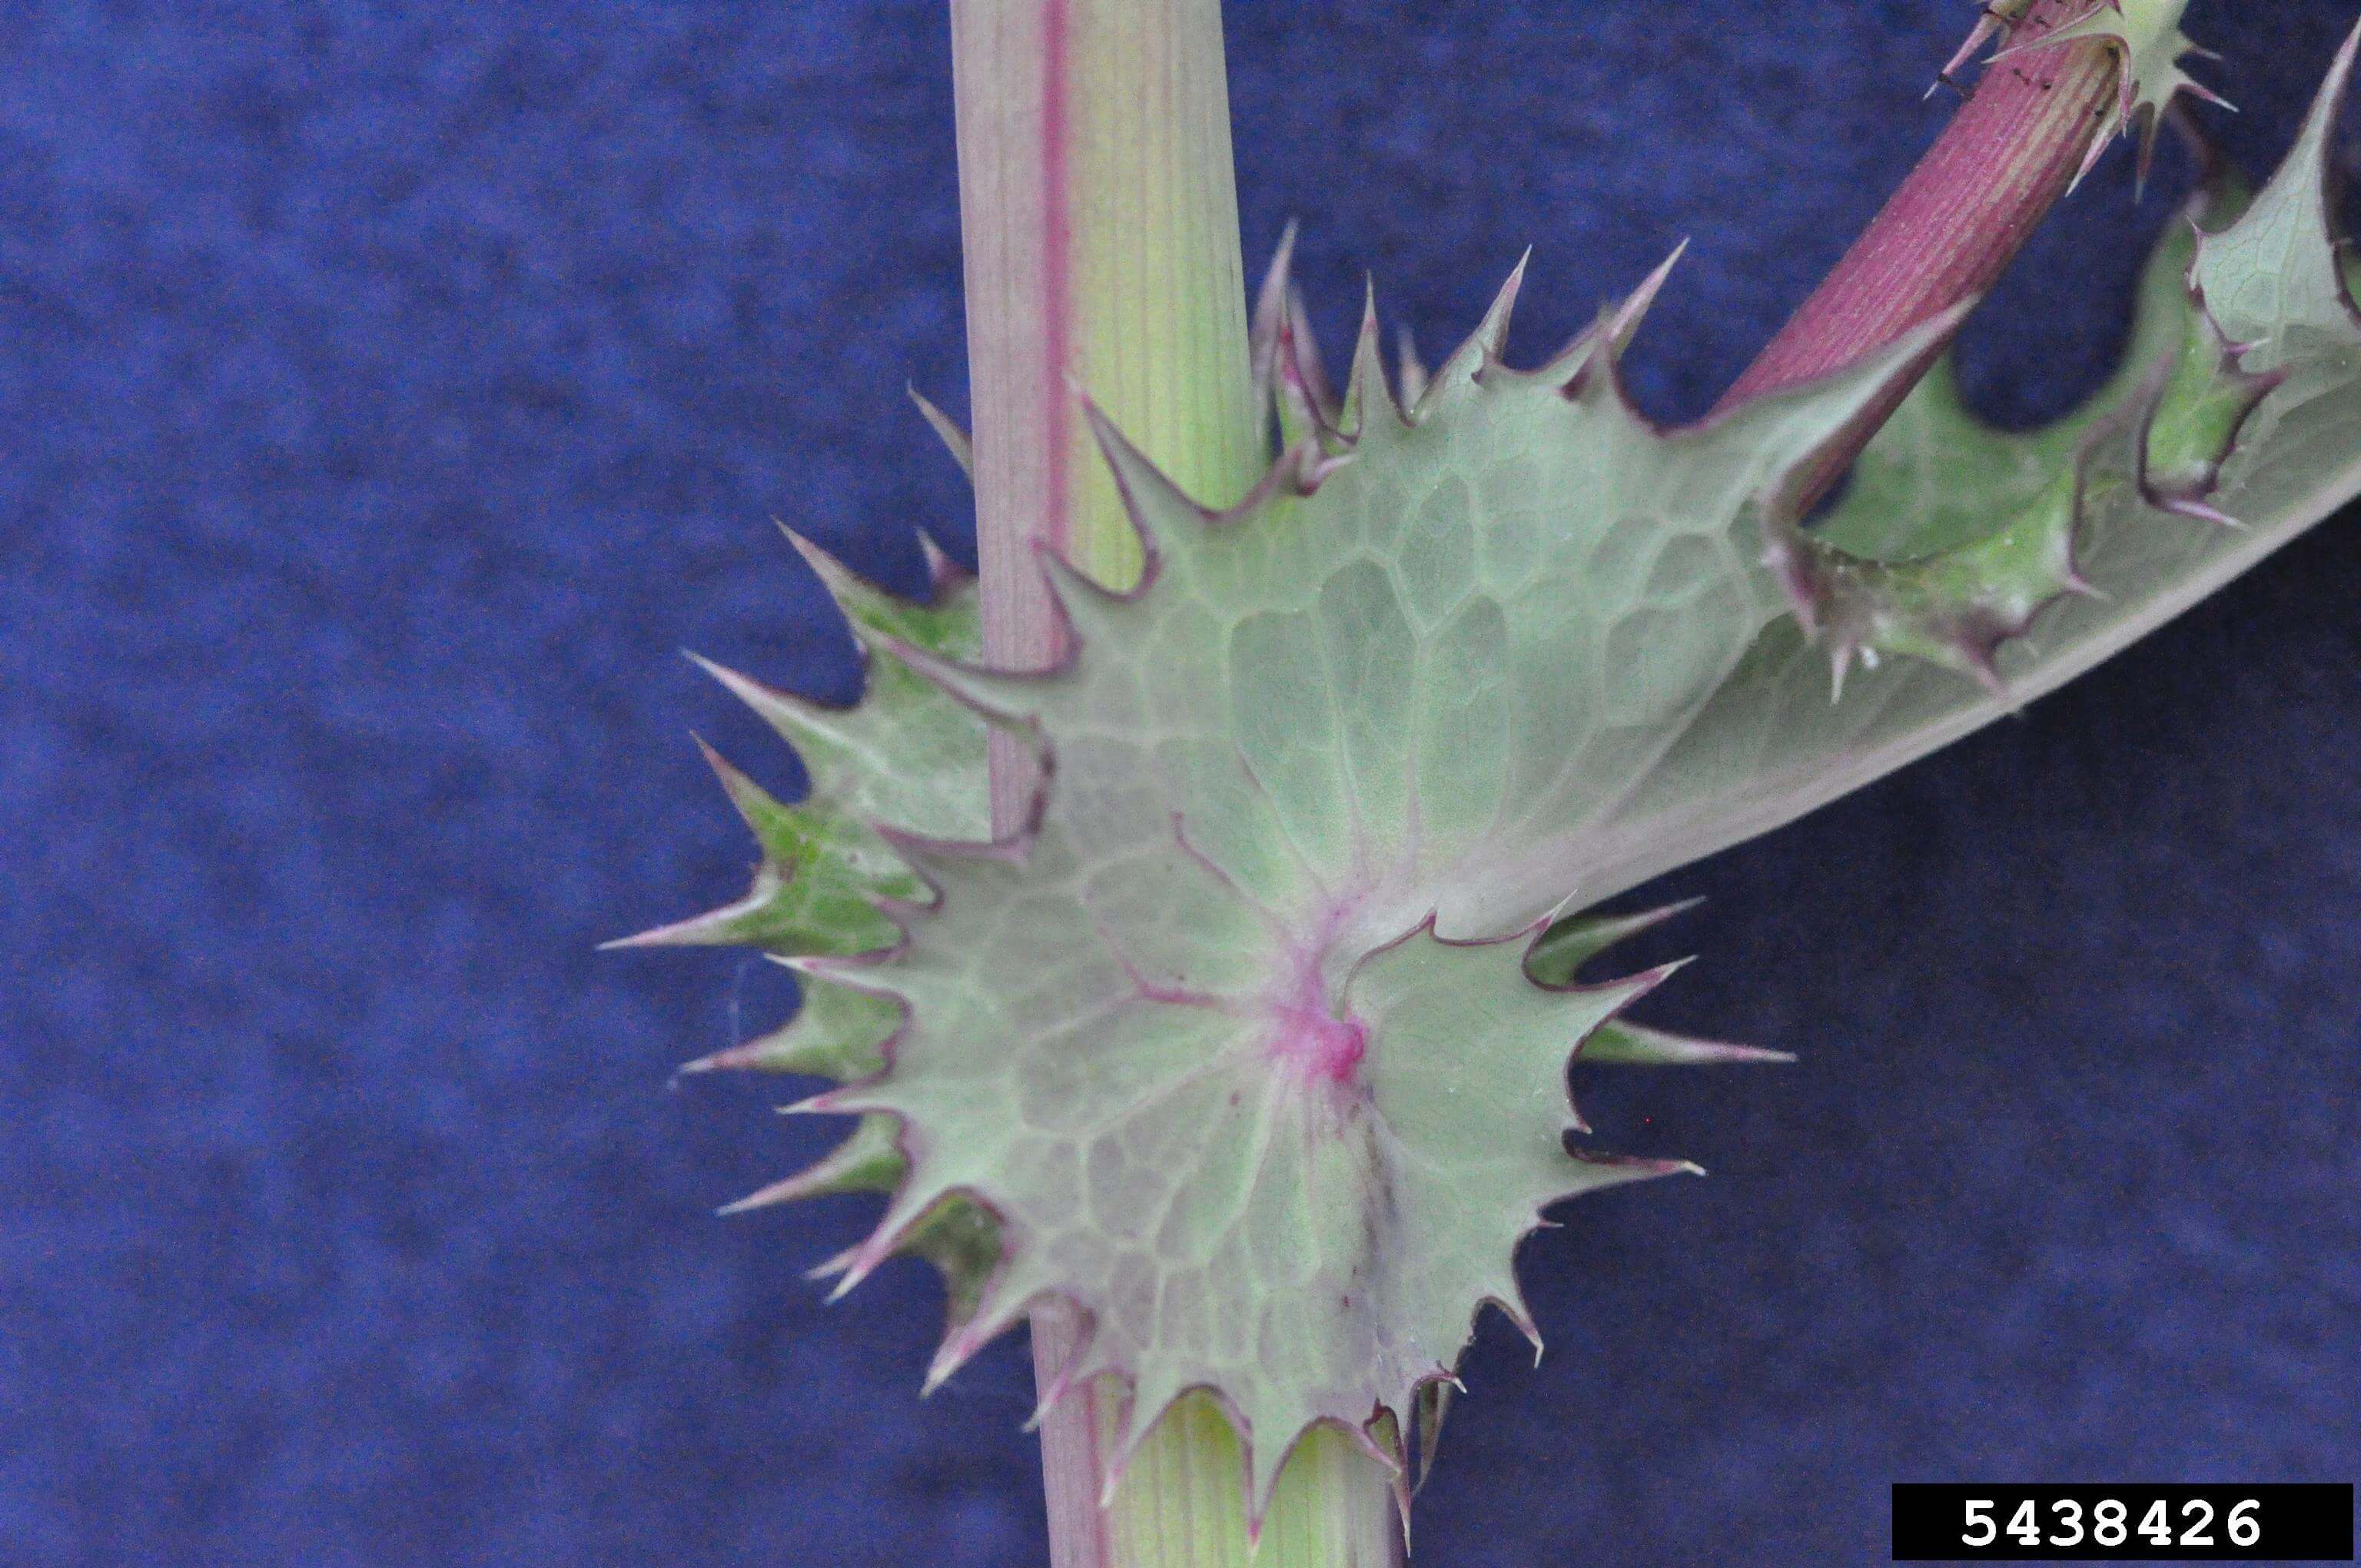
point(1099, 215)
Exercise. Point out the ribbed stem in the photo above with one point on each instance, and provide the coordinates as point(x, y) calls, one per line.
point(1956, 222)
point(1100, 219)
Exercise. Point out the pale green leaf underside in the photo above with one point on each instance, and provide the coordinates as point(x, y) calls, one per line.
point(1238, 1049)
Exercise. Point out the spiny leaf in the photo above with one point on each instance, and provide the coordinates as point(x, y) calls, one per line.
point(904, 758)
point(1559, 954)
point(1937, 477)
point(1954, 608)
point(953, 438)
point(1178, 1036)
point(1770, 747)
point(869, 1161)
point(1248, 1050)
point(839, 1032)
point(1621, 1043)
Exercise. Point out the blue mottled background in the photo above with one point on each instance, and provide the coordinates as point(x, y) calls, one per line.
point(387, 389)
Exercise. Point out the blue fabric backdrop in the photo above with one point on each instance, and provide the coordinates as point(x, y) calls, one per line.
point(387, 389)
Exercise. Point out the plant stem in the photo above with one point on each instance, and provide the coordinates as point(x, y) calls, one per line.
point(1957, 221)
point(1099, 215)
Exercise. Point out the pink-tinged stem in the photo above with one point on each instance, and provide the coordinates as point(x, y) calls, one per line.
point(1957, 221)
point(1099, 212)
point(1099, 217)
